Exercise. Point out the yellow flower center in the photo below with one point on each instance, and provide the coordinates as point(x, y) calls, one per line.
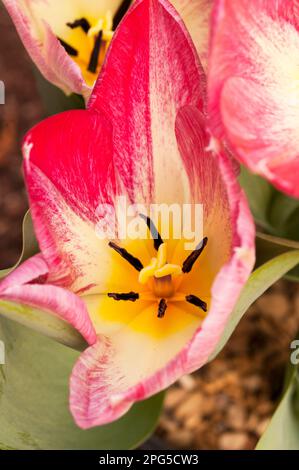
point(86, 40)
point(161, 274)
point(161, 278)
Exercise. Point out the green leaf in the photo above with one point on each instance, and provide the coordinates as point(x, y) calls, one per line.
point(43, 322)
point(260, 280)
point(54, 100)
point(30, 245)
point(283, 430)
point(268, 246)
point(284, 216)
point(34, 410)
point(260, 194)
point(40, 321)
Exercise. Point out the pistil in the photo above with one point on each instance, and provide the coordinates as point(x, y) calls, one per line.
point(163, 287)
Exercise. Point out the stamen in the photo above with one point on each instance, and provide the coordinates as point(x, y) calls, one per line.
point(162, 308)
point(80, 23)
point(124, 6)
point(132, 296)
point(94, 58)
point(194, 300)
point(135, 262)
point(154, 232)
point(189, 262)
point(69, 49)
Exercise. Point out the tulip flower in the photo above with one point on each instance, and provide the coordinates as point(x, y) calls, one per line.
point(150, 309)
point(253, 86)
point(68, 40)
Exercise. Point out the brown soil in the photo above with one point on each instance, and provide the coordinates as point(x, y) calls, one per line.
point(21, 111)
point(228, 403)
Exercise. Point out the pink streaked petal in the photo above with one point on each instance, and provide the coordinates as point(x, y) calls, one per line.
point(77, 159)
point(98, 394)
point(105, 383)
point(31, 270)
point(61, 68)
point(50, 57)
point(105, 372)
point(252, 86)
point(145, 81)
point(77, 258)
point(90, 387)
point(226, 289)
point(261, 148)
point(68, 177)
point(196, 16)
point(51, 299)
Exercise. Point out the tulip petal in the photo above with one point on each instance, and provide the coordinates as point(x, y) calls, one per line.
point(196, 16)
point(26, 285)
point(65, 190)
point(33, 269)
point(140, 176)
point(105, 371)
point(253, 86)
point(151, 71)
point(45, 50)
point(127, 365)
point(159, 151)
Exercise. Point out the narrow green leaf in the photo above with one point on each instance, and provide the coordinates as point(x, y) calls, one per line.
point(34, 388)
point(284, 216)
point(260, 194)
point(55, 100)
point(268, 247)
point(43, 322)
point(30, 245)
point(260, 280)
point(40, 321)
point(283, 430)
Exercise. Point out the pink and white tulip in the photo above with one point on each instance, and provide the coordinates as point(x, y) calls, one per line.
point(68, 40)
point(143, 137)
point(253, 86)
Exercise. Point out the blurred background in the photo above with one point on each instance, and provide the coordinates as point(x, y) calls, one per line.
point(228, 403)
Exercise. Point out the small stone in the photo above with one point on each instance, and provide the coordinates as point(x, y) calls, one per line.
point(182, 439)
point(236, 417)
point(187, 382)
point(253, 383)
point(173, 397)
point(192, 422)
point(190, 406)
point(233, 441)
